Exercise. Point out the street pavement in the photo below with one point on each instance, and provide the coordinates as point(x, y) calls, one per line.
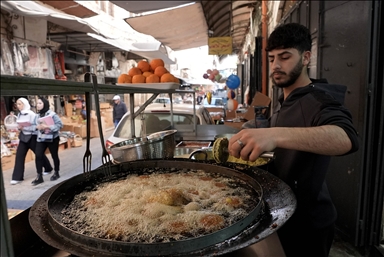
point(23, 195)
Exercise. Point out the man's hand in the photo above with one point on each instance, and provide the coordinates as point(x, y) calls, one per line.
point(248, 144)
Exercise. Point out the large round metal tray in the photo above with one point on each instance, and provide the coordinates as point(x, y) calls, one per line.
point(278, 199)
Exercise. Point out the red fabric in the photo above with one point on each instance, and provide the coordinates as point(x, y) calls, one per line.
point(59, 66)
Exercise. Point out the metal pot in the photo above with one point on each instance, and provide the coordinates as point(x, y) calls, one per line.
point(45, 215)
point(130, 150)
point(154, 146)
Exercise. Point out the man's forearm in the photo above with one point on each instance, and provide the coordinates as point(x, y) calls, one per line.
point(326, 140)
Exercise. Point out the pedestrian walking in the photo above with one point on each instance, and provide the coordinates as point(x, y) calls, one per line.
point(119, 109)
point(27, 140)
point(48, 127)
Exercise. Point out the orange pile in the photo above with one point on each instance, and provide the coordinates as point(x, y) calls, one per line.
point(148, 72)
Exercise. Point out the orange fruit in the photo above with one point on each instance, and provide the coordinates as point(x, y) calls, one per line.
point(152, 79)
point(176, 80)
point(147, 74)
point(138, 79)
point(134, 71)
point(167, 77)
point(124, 78)
point(160, 71)
point(143, 66)
point(156, 63)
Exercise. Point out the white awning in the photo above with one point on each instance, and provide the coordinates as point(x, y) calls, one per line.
point(180, 28)
point(85, 36)
point(151, 51)
point(91, 42)
point(146, 6)
point(33, 9)
point(187, 26)
point(146, 50)
point(109, 41)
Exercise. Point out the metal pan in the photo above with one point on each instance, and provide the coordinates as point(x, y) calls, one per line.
point(279, 205)
point(65, 192)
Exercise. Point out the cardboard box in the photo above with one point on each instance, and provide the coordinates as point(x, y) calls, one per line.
point(95, 127)
point(94, 124)
point(81, 121)
point(76, 119)
point(108, 117)
point(80, 130)
point(230, 114)
point(66, 120)
point(105, 105)
point(68, 109)
point(68, 127)
point(8, 162)
point(258, 100)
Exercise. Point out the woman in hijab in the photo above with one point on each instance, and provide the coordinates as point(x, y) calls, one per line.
point(48, 127)
point(27, 137)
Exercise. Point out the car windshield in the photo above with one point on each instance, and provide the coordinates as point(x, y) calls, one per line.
point(154, 122)
point(162, 100)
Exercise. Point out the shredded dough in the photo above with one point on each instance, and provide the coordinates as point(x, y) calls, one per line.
point(160, 207)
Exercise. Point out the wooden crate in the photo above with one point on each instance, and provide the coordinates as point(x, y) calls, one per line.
point(8, 162)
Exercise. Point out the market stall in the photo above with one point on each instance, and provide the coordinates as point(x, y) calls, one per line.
point(204, 133)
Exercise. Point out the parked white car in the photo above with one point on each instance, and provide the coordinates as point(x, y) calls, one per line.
point(157, 117)
point(162, 100)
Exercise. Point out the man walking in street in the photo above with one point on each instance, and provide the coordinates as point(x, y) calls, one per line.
point(119, 109)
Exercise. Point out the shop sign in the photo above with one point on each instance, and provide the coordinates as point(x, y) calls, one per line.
point(220, 45)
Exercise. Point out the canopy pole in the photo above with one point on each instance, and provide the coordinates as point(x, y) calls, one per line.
point(264, 60)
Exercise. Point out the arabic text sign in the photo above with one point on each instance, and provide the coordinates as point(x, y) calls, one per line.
point(220, 45)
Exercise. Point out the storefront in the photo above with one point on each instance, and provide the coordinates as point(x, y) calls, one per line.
point(341, 58)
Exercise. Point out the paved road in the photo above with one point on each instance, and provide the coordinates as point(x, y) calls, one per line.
point(23, 195)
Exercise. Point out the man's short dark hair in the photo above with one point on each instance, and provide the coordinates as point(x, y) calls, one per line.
point(291, 35)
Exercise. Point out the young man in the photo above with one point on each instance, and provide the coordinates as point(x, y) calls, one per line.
point(309, 127)
point(119, 109)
